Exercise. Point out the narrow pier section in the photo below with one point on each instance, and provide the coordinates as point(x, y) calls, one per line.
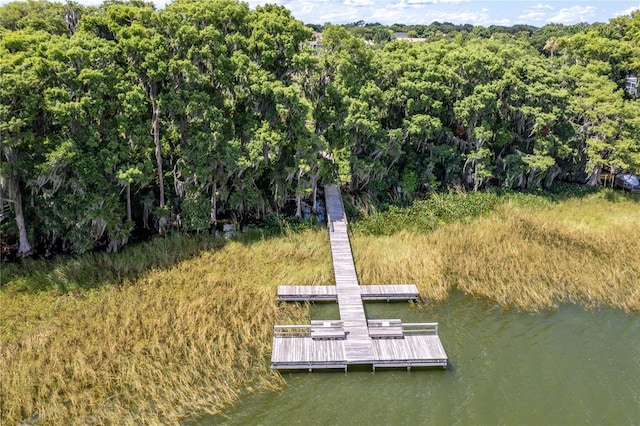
point(327, 293)
point(354, 339)
point(358, 345)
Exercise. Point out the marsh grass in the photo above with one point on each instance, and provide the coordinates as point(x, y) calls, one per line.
point(525, 254)
point(457, 205)
point(168, 345)
point(91, 270)
point(167, 336)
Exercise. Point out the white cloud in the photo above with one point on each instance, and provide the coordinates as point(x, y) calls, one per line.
point(536, 13)
point(475, 12)
point(400, 5)
point(427, 16)
point(358, 3)
point(627, 12)
point(573, 15)
point(436, 1)
point(541, 6)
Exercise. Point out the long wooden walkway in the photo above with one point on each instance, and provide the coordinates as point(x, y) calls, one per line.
point(358, 346)
point(352, 340)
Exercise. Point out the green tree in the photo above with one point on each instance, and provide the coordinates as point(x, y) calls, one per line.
point(597, 112)
point(135, 27)
point(22, 118)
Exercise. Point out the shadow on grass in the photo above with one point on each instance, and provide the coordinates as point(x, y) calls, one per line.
point(440, 208)
point(561, 191)
point(67, 273)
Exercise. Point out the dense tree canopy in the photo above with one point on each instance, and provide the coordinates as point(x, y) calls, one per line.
point(121, 117)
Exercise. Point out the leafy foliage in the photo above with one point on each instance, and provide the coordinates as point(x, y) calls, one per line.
point(122, 118)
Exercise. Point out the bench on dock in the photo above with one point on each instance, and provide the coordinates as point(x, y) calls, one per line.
point(327, 330)
point(385, 329)
point(317, 330)
point(291, 330)
point(352, 340)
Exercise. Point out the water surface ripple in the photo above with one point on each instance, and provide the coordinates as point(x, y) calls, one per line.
point(568, 366)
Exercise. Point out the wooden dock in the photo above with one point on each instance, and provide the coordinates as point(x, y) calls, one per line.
point(353, 339)
point(328, 293)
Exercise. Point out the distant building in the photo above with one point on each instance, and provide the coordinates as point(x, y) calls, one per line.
point(631, 85)
point(403, 36)
point(316, 41)
point(414, 39)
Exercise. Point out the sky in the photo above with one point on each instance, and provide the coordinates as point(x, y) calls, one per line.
point(475, 12)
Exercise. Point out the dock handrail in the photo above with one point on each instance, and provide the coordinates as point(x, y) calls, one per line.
point(420, 328)
point(384, 322)
point(292, 330)
point(318, 329)
point(352, 339)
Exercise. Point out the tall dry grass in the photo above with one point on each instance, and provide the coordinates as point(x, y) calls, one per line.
point(193, 337)
point(584, 250)
point(172, 344)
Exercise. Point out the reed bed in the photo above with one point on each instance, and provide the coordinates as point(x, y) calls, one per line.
point(173, 344)
point(67, 273)
point(583, 250)
point(162, 344)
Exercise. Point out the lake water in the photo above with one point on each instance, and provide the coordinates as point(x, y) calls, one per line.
point(568, 366)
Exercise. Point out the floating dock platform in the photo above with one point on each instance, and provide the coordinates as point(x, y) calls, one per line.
point(352, 340)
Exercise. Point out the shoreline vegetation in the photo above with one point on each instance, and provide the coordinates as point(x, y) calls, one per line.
point(182, 325)
point(121, 120)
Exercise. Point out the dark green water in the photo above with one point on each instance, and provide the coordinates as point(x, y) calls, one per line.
point(568, 366)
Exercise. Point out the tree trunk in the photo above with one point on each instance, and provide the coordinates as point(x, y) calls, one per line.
point(552, 174)
point(24, 247)
point(534, 179)
point(214, 204)
point(155, 130)
point(298, 197)
point(129, 215)
point(314, 191)
point(298, 205)
point(163, 222)
point(476, 180)
point(594, 178)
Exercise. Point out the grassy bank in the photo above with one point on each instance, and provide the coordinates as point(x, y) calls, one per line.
point(531, 252)
point(172, 343)
point(183, 326)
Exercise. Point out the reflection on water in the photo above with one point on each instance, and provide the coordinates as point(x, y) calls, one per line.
point(563, 367)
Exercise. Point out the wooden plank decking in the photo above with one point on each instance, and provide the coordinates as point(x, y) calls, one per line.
point(352, 340)
point(295, 353)
point(389, 292)
point(328, 293)
point(307, 293)
point(358, 347)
